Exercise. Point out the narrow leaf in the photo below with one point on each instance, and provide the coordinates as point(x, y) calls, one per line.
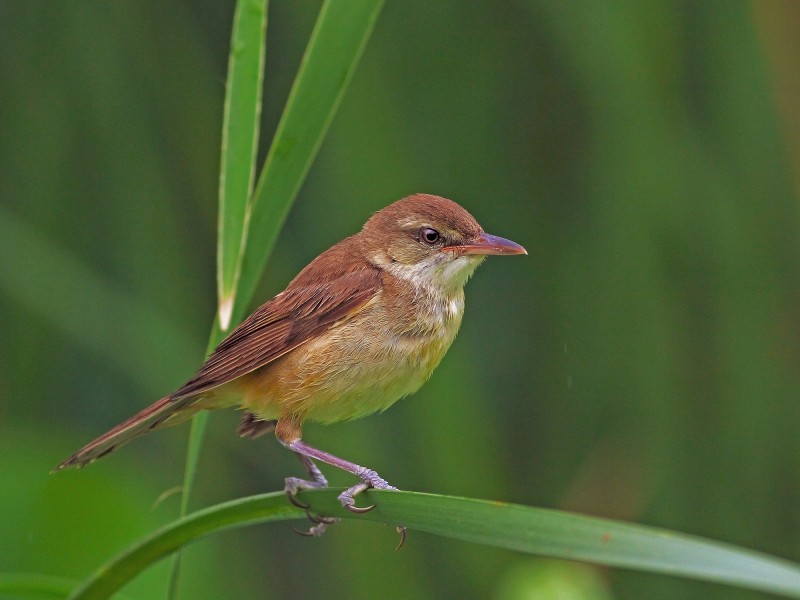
point(240, 129)
point(537, 531)
point(336, 44)
point(559, 534)
point(112, 576)
point(339, 37)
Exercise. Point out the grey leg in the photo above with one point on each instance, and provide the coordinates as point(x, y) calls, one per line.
point(368, 477)
point(295, 484)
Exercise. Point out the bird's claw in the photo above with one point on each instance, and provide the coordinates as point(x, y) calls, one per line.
point(369, 479)
point(359, 509)
point(319, 527)
point(308, 533)
point(292, 485)
point(402, 531)
point(348, 500)
point(293, 499)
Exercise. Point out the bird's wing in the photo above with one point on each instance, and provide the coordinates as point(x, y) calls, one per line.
point(295, 316)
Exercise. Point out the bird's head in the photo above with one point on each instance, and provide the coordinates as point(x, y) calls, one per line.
point(430, 241)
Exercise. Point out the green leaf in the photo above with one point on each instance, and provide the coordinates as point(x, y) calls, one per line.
point(240, 129)
point(559, 534)
point(336, 43)
point(196, 433)
point(237, 513)
point(339, 37)
point(526, 529)
point(340, 34)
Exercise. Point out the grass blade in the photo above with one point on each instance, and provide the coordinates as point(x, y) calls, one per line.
point(340, 34)
point(240, 129)
point(526, 529)
point(35, 585)
point(236, 513)
point(571, 536)
point(336, 43)
point(237, 169)
point(339, 37)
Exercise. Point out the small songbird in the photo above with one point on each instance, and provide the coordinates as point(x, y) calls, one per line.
point(364, 324)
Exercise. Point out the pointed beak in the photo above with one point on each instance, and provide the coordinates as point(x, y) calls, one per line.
point(488, 244)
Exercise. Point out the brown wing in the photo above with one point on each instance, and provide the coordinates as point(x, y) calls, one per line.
point(291, 318)
point(306, 309)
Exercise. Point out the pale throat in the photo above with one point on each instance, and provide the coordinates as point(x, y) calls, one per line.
point(439, 278)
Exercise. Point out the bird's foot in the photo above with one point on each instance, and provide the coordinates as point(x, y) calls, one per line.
point(320, 525)
point(369, 479)
point(292, 485)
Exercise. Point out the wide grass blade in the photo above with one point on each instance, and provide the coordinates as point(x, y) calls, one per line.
point(526, 529)
point(34, 585)
point(244, 511)
point(560, 534)
point(240, 127)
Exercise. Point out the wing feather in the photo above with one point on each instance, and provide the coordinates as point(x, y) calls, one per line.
point(295, 316)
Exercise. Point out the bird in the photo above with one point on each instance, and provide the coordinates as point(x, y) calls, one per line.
point(362, 325)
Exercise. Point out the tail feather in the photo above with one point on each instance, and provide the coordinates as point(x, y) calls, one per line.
point(166, 412)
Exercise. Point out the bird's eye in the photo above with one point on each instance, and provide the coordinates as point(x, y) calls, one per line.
point(428, 235)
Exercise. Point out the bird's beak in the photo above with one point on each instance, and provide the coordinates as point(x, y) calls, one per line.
point(488, 244)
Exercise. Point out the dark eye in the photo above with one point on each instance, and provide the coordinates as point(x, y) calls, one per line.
point(428, 235)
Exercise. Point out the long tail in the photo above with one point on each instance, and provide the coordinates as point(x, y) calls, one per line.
point(166, 412)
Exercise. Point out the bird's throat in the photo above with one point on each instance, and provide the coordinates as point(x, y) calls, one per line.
point(440, 274)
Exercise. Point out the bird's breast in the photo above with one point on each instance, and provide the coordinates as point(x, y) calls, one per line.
point(361, 365)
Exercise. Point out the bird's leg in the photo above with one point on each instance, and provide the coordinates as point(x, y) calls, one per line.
point(318, 481)
point(288, 433)
point(368, 477)
point(288, 429)
point(295, 484)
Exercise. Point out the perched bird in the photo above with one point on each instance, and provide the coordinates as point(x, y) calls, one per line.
point(364, 324)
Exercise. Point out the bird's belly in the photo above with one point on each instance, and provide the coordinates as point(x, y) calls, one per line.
point(347, 374)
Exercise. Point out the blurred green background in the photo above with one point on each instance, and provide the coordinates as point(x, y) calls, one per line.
point(642, 363)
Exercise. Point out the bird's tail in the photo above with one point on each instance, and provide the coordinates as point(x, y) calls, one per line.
point(166, 412)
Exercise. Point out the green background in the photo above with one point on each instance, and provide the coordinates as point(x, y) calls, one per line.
point(641, 363)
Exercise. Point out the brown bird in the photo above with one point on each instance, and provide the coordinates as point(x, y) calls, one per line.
point(364, 324)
